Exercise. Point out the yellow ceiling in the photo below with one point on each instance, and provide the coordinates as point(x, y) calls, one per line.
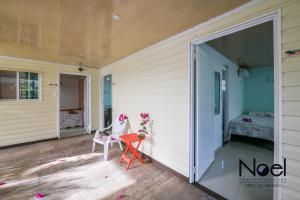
point(83, 31)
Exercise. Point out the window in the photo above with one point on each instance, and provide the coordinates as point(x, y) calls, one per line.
point(8, 85)
point(217, 91)
point(28, 85)
point(19, 85)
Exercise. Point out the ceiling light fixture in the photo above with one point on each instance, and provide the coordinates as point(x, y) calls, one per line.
point(116, 17)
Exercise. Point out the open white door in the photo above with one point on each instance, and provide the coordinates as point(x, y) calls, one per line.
point(86, 106)
point(204, 113)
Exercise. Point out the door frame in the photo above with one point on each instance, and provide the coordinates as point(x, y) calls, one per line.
point(104, 72)
point(274, 16)
point(89, 121)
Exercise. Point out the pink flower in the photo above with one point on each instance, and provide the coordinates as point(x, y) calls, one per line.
point(144, 115)
point(122, 117)
point(119, 196)
point(39, 195)
point(2, 183)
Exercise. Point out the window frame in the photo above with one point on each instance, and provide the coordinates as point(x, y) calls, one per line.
point(218, 98)
point(18, 86)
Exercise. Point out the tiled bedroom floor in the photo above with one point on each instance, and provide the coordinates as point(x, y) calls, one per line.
point(67, 169)
point(223, 175)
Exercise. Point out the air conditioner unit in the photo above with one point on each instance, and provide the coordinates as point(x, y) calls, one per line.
point(243, 73)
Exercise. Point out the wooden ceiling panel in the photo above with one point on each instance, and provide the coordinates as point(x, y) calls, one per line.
point(73, 31)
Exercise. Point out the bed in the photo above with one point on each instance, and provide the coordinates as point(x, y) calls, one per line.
point(255, 124)
point(71, 118)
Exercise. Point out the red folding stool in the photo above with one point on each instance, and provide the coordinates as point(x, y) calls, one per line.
point(129, 139)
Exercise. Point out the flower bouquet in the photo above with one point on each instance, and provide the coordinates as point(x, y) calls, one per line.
point(145, 120)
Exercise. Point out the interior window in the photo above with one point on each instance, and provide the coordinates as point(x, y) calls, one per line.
point(27, 86)
point(217, 91)
point(8, 84)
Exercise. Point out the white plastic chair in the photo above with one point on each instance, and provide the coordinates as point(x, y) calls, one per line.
point(118, 128)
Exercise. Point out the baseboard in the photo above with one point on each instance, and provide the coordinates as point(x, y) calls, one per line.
point(28, 143)
point(33, 142)
point(167, 169)
point(218, 149)
point(208, 191)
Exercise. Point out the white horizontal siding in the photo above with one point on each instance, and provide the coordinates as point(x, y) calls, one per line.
point(291, 94)
point(293, 167)
point(291, 108)
point(291, 98)
point(293, 183)
point(25, 121)
point(291, 137)
point(291, 64)
point(291, 78)
point(290, 194)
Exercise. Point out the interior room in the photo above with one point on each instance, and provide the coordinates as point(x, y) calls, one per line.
point(72, 105)
point(242, 94)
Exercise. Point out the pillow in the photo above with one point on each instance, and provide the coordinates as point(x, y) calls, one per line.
point(258, 114)
point(269, 114)
point(72, 112)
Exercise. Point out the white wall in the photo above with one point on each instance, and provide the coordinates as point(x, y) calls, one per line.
point(157, 84)
point(69, 93)
point(235, 86)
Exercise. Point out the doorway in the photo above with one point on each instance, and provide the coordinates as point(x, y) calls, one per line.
point(107, 100)
point(213, 80)
point(74, 105)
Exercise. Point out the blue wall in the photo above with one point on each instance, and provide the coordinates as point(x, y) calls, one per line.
point(259, 90)
point(107, 91)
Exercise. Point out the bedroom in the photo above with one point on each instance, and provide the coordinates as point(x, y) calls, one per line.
point(240, 101)
point(73, 105)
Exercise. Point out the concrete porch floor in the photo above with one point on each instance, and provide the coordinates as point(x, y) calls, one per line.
point(67, 169)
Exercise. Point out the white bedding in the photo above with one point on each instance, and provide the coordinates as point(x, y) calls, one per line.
point(261, 126)
point(71, 120)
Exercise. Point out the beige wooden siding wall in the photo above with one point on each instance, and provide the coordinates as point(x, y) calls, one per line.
point(156, 80)
point(23, 120)
point(291, 97)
